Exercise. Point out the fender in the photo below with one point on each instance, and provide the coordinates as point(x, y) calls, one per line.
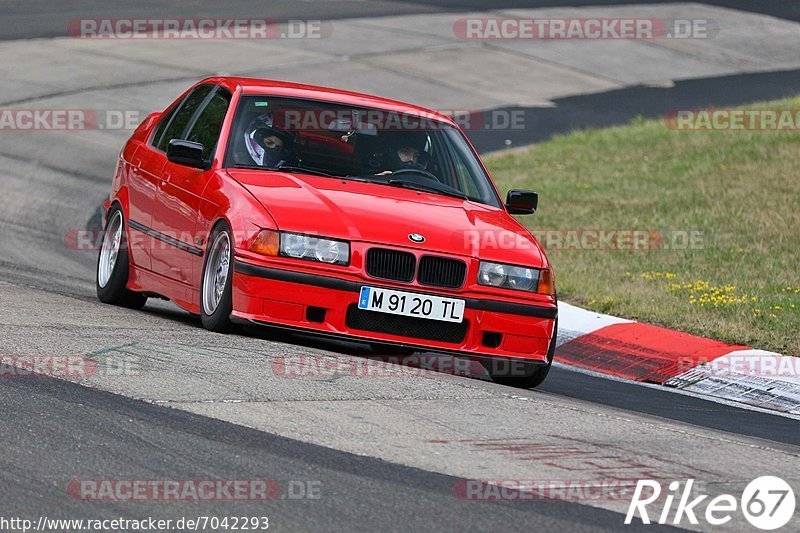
point(225, 199)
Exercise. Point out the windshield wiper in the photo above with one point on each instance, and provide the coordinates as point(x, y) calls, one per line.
point(426, 188)
point(289, 168)
point(250, 167)
point(307, 170)
point(317, 172)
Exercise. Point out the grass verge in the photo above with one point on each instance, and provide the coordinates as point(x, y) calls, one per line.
point(721, 210)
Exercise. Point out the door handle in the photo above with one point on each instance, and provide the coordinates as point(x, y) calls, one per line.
point(164, 180)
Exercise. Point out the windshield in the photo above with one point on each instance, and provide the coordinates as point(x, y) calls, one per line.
point(368, 144)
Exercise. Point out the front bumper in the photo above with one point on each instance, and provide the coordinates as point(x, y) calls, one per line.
point(320, 304)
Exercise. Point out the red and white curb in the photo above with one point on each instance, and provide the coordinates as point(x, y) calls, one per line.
point(627, 349)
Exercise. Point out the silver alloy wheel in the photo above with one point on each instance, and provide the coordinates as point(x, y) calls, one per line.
point(216, 274)
point(110, 249)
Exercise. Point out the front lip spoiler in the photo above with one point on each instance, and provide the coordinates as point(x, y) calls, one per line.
point(495, 306)
point(353, 338)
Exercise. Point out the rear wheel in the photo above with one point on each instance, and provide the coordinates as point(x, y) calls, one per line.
point(521, 374)
point(113, 266)
point(216, 302)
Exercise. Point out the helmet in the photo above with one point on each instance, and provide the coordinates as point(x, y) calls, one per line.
point(260, 140)
point(410, 152)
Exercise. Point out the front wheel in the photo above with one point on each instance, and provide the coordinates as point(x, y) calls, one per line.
point(216, 302)
point(532, 376)
point(113, 266)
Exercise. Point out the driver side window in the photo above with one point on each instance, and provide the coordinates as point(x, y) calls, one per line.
point(178, 121)
point(208, 124)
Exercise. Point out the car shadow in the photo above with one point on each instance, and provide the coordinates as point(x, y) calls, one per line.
point(426, 362)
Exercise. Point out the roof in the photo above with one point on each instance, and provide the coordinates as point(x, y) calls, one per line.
point(256, 86)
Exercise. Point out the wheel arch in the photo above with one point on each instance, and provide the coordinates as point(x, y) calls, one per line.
point(122, 200)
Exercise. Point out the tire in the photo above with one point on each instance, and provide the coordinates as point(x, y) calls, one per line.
point(216, 302)
point(532, 375)
point(113, 266)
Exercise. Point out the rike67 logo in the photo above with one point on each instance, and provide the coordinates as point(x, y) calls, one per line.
point(767, 502)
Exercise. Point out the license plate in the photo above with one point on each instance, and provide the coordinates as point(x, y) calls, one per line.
point(411, 304)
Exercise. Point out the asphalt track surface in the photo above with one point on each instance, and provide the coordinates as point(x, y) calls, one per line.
point(56, 431)
point(24, 19)
point(45, 19)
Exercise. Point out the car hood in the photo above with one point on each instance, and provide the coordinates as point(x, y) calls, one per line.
point(358, 211)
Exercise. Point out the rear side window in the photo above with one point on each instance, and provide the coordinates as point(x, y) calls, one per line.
point(208, 124)
point(165, 120)
point(176, 123)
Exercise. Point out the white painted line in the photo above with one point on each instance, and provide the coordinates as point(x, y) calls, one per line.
point(575, 319)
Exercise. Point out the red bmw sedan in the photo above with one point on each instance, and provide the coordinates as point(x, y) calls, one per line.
point(328, 212)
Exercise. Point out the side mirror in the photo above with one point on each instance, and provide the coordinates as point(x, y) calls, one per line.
point(186, 153)
point(522, 202)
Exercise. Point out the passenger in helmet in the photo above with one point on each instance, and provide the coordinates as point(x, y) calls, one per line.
point(267, 145)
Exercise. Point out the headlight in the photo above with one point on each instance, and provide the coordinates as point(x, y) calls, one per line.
point(328, 251)
point(298, 246)
point(294, 245)
point(515, 277)
point(315, 248)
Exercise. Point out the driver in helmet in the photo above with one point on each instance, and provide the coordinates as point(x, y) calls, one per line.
point(407, 156)
point(267, 145)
